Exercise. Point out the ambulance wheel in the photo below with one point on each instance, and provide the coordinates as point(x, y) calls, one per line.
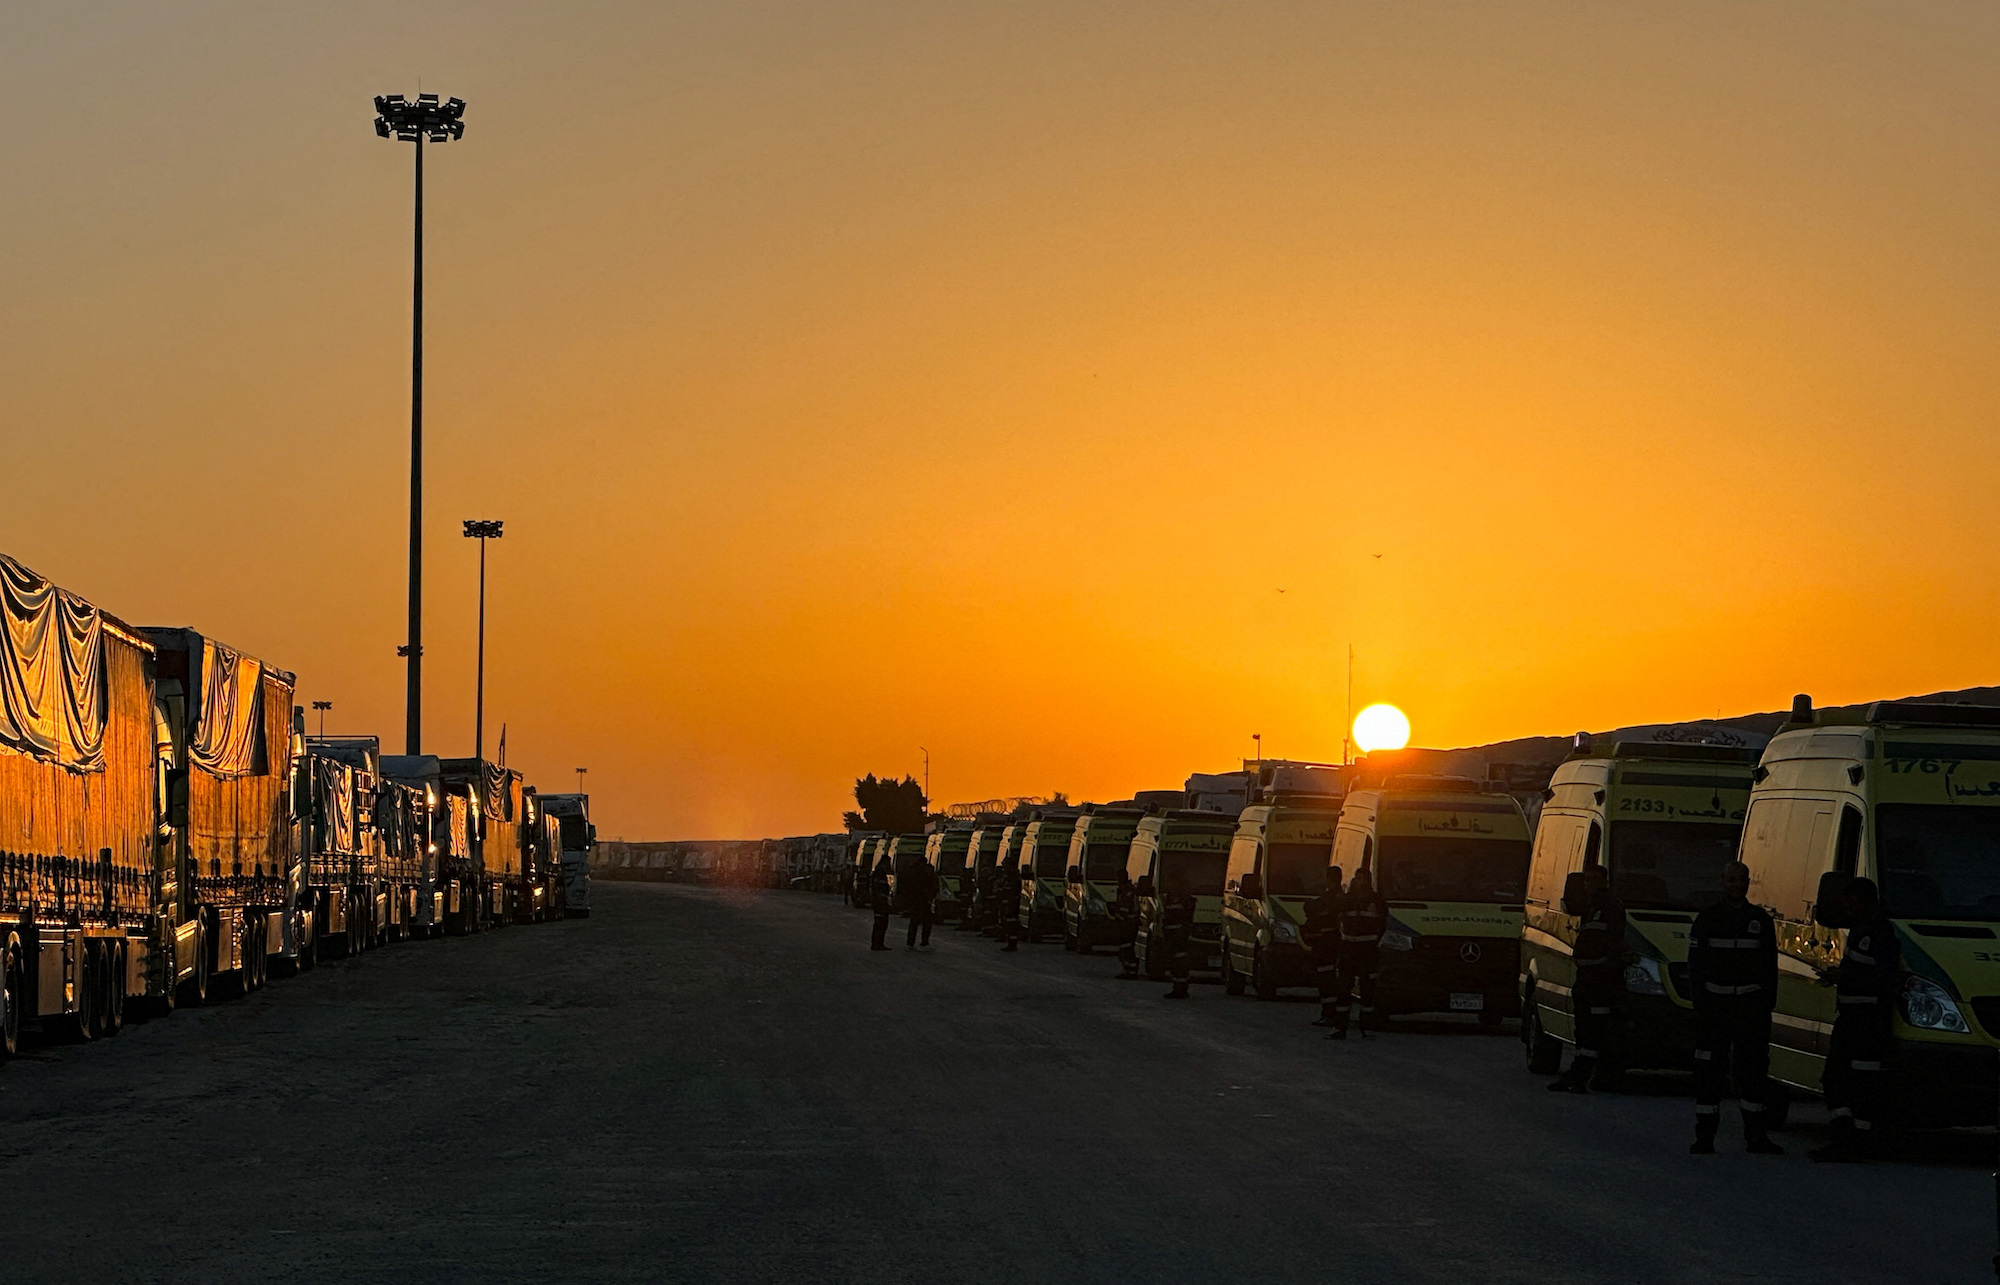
point(13, 993)
point(1544, 1050)
point(1777, 1104)
point(1232, 981)
point(1262, 977)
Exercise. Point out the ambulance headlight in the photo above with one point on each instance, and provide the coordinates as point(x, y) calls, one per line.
point(1283, 931)
point(1393, 940)
point(1642, 977)
point(1929, 1007)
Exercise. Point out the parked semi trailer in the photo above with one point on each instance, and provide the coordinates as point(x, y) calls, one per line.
point(81, 806)
point(578, 837)
point(228, 886)
point(496, 793)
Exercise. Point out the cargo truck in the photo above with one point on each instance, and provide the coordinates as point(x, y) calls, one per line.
point(89, 922)
point(577, 837)
point(231, 738)
point(497, 843)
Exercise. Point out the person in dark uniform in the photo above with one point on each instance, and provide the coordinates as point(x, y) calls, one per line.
point(1009, 899)
point(1599, 955)
point(1125, 914)
point(920, 904)
point(878, 898)
point(1177, 925)
point(1865, 982)
point(1364, 917)
point(1733, 974)
point(1322, 937)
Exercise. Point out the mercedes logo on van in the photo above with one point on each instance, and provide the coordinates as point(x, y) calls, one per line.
point(1469, 952)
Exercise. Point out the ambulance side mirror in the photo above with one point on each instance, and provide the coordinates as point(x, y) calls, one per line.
point(1144, 887)
point(1075, 875)
point(1573, 893)
point(1252, 888)
point(1830, 903)
point(177, 797)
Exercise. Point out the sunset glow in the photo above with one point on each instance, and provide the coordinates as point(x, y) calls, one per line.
point(1381, 727)
point(1062, 389)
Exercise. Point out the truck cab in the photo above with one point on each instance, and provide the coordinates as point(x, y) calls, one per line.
point(1188, 844)
point(1907, 794)
point(865, 856)
point(1044, 860)
point(1277, 863)
point(1098, 848)
point(905, 852)
point(1452, 862)
point(1663, 819)
point(577, 837)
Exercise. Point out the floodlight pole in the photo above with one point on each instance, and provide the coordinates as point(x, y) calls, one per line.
point(482, 531)
point(418, 121)
point(413, 696)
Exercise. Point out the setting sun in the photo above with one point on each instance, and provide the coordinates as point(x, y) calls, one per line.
point(1381, 727)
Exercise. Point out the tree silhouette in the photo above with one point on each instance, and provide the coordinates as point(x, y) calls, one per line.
point(889, 805)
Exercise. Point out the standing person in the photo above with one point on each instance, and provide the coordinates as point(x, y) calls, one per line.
point(1125, 914)
point(878, 898)
point(1177, 925)
point(1322, 933)
point(1364, 917)
point(1733, 973)
point(1599, 955)
point(1010, 902)
point(1865, 986)
point(921, 905)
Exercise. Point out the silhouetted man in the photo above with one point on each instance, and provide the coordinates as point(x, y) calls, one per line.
point(1177, 926)
point(1125, 916)
point(1364, 917)
point(1865, 983)
point(1322, 938)
point(921, 903)
point(1009, 889)
point(1599, 956)
point(878, 897)
point(1733, 973)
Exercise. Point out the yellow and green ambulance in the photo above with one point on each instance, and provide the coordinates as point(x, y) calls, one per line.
point(1190, 845)
point(1044, 859)
point(946, 850)
point(1907, 794)
point(1097, 851)
point(982, 856)
point(1277, 863)
point(1452, 862)
point(1663, 819)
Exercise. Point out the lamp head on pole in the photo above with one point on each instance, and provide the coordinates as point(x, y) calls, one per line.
point(426, 119)
point(482, 529)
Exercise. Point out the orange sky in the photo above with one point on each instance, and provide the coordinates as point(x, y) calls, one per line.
point(856, 377)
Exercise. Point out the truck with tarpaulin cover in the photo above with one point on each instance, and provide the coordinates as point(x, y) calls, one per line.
point(577, 837)
point(448, 901)
point(85, 922)
point(497, 843)
point(344, 905)
point(232, 737)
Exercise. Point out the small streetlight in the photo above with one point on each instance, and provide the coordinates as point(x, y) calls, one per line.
point(419, 122)
point(927, 776)
point(579, 779)
point(482, 531)
point(322, 707)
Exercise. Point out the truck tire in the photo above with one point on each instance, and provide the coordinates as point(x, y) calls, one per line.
point(81, 1026)
point(1262, 977)
point(113, 1019)
point(195, 990)
point(13, 994)
point(1544, 1050)
point(256, 953)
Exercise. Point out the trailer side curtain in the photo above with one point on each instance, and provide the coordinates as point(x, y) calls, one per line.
point(229, 724)
point(498, 798)
point(54, 693)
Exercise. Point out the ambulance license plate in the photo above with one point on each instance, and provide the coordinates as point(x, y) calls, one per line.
point(1468, 1003)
